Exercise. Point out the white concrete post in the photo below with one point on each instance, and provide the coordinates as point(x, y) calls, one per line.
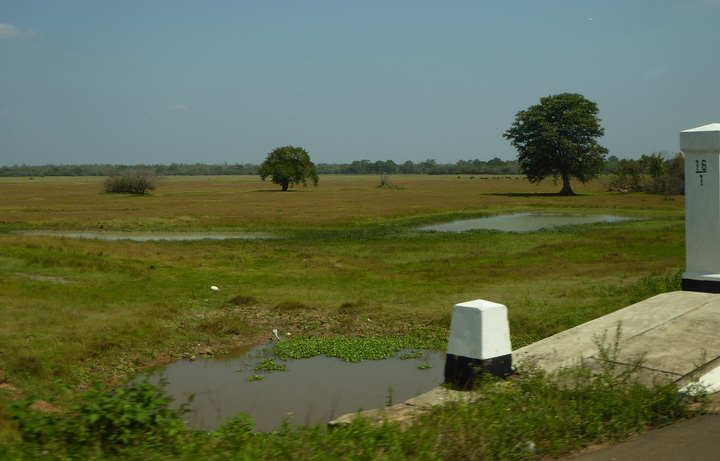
point(701, 147)
point(479, 343)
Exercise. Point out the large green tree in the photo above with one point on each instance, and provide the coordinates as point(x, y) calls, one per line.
point(556, 138)
point(288, 166)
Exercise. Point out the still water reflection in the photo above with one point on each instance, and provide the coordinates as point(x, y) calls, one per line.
point(312, 391)
point(523, 222)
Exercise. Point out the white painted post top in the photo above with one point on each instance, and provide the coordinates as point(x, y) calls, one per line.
point(479, 329)
point(704, 138)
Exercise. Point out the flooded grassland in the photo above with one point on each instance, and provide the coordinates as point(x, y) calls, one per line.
point(346, 263)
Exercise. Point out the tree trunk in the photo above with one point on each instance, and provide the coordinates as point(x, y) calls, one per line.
point(285, 185)
point(566, 189)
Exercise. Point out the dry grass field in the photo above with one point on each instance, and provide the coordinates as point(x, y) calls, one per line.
point(242, 202)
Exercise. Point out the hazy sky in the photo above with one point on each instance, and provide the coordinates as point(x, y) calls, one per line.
point(160, 81)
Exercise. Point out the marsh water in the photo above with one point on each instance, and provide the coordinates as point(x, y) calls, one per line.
point(524, 222)
point(519, 222)
point(148, 236)
point(312, 391)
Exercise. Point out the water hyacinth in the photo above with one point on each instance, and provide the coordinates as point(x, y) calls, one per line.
point(270, 365)
point(353, 349)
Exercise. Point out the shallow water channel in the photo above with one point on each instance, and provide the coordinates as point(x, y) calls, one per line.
point(312, 391)
point(147, 236)
point(524, 222)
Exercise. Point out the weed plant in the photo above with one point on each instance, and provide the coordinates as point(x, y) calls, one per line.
point(105, 421)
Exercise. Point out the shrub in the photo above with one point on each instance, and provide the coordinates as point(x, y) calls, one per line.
point(671, 180)
point(137, 181)
point(104, 419)
point(651, 173)
point(385, 182)
point(629, 177)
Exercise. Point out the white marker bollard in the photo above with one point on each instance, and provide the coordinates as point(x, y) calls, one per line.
point(701, 147)
point(479, 343)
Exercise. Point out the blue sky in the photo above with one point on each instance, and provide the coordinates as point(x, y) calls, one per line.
point(157, 81)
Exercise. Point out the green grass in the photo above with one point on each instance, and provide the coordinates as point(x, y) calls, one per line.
point(348, 265)
point(137, 291)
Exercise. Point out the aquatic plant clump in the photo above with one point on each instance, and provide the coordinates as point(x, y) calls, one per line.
point(270, 365)
point(351, 349)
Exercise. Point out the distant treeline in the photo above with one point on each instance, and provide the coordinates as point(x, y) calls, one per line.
point(430, 166)
point(495, 166)
point(180, 169)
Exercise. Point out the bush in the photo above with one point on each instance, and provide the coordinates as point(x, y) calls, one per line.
point(139, 181)
point(628, 177)
point(651, 173)
point(105, 419)
point(387, 183)
point(671, 180)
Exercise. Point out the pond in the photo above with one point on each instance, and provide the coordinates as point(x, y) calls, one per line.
point(147, 236)
point(312, 391)
point(524, 222)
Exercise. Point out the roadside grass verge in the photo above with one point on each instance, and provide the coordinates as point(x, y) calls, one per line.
point(531, 416)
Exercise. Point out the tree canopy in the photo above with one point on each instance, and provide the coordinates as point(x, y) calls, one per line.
point(288, 166)
point(556, 138)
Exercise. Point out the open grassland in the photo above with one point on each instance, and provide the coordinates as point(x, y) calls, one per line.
point(244, 202)
point(346, 262)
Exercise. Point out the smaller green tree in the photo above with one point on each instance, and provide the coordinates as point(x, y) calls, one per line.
point(288, 166)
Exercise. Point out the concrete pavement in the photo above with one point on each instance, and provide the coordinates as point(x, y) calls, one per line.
point(696, 439)
point(675, 335)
